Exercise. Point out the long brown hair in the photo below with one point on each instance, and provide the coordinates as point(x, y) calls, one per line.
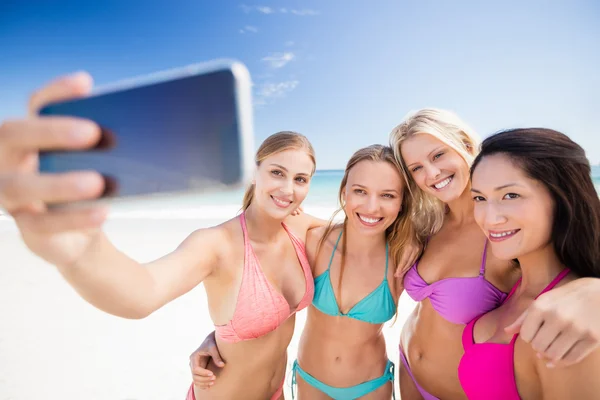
point(276, 143)
point(560, 164)
point(399, 234)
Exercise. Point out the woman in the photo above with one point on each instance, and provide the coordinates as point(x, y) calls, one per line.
point(456, 279)
point(254, 266)
point(536, 202)
point(355, 288)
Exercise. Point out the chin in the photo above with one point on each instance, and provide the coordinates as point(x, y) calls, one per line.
point(504, 255)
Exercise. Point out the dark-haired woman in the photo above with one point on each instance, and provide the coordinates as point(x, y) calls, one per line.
point(536, 202)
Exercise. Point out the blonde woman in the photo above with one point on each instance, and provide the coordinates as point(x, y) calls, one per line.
point(457, 279)
point(254, 266)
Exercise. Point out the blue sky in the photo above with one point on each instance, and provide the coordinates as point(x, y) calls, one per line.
point(343, 72)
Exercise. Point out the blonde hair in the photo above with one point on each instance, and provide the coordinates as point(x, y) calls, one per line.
point(276, 143)
point(399, 234)
point(447, 127)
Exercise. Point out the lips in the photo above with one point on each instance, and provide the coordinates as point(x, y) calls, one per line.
point(443, 183)
point(281, 202)
point(369, 220)
point(499, 236)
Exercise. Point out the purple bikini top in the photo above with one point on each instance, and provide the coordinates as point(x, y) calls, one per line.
point(458, 300)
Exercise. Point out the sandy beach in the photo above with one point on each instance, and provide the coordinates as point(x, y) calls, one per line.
point(55, 346)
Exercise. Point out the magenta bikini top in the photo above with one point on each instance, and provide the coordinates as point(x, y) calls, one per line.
point(458, 300)
point(486, 370)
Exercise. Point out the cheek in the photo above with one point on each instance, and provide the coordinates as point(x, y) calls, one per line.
point(301, 192)
point(419, 178)
point(479, 214)
point(392, 207)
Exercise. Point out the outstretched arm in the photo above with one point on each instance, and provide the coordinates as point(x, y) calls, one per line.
point(119, 285)
point(563, 325)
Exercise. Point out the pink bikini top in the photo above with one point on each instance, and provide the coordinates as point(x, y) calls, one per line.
point(486, 370)
point(458, 300)
point(260, 308)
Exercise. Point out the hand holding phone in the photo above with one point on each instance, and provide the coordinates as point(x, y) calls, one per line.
point(185, 130)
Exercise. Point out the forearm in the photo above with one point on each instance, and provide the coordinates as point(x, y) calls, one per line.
point(111, 281)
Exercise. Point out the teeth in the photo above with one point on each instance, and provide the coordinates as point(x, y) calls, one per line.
point(443, 183)
point(499, 235)
point(369, 220)
point(281, 202)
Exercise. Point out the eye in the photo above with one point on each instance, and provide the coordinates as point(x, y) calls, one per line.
point(389, 196)
point(477, 199)
point(359, 191)
point(415, 169)
point(510, 196)
point(277, 172)
point(438, 155)
point(301, 179)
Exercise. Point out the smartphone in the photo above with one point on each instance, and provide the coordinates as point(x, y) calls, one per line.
point(178, 131)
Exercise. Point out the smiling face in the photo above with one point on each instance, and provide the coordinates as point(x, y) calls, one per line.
point(515, 211)
point(435, 167)
point(373, 196)
point(282, 181)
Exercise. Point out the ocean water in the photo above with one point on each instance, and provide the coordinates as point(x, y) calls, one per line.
point(321, 201)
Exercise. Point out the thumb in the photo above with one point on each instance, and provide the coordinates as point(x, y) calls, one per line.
point(216, 356)
point(515, 327)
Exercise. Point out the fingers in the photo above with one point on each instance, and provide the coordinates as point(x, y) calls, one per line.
point(532, 322)
point(579, 351)
point(546, 335)
point(20, 190)
point(68, 87)
point(61, 220)
point(216, 356)
point(515, 327)
point(49, 133)
point(202, 377)
point(569, 348)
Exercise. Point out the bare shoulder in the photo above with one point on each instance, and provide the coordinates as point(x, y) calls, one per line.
point(301, 224)
point(578, 381)
point(217, 240)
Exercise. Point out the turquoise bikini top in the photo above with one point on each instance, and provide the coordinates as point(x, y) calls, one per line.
point(376, 308)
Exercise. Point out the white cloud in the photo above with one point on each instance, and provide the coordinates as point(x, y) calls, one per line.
point(265, 10)
point(278, 60)
point(267, 92)
point(249, 28)
point(305, 12)
point(282, 10)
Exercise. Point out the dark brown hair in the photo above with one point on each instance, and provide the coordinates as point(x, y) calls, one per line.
point(552, 158)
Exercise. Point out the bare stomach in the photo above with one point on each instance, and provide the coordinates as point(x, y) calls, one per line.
point(254, 369)
point(341, 351)
point(433, 347)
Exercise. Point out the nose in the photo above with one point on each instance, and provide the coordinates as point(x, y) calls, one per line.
point(287, 187)
point(372, 204)
point(494, 215)
point(432, 171)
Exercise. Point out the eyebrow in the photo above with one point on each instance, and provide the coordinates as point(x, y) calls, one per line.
point(385, 190)
point(286, 170)
point(499, 187)
point(430, 153)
